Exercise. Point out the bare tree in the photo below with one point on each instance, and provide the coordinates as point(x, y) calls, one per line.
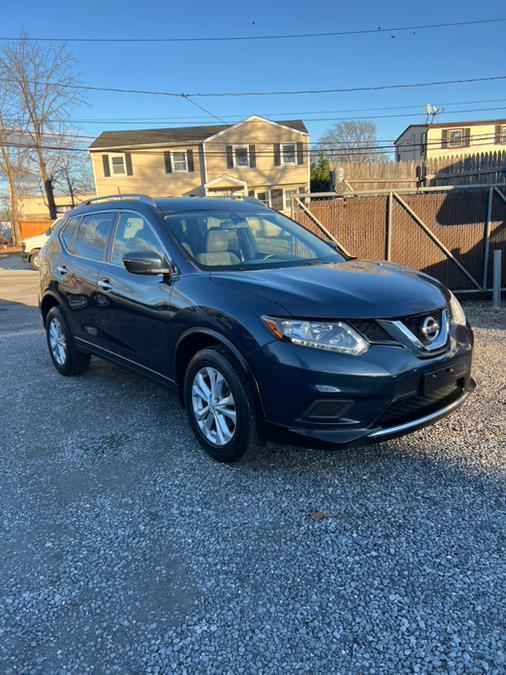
point(14, 159)
point(72, 174)
point(43, 80)
point(352, 141)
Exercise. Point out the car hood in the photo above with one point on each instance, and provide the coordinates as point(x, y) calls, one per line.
point(348, 290)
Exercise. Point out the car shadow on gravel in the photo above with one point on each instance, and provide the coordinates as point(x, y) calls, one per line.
point(153, 403)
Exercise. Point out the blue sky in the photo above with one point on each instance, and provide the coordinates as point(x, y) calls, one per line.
point(441, 54)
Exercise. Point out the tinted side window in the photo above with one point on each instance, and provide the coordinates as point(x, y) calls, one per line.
point(133, 234)
point(68, 231)
point(93, 235)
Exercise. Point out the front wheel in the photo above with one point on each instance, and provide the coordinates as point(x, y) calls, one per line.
point(221, 406)
point(65, 357)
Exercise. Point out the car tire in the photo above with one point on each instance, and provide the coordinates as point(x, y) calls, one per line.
point(34, 260)
point(230, 431)
point(66, 358)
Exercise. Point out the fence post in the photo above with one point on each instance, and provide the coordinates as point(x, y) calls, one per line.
point(486, 243)
point(388, 239)
point(496, 297)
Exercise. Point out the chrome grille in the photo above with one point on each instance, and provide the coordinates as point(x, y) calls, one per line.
point(414, 324)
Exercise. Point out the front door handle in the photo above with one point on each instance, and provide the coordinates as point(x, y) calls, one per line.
point(105, 284)
point(62, 269)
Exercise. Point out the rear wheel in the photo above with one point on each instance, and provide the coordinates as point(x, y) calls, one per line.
point(65, 357)
point(221, 406)
point(34, 260)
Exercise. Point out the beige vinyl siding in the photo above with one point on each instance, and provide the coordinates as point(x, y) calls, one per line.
point(148, 174)
point(35, 206)
point(215, 167)
point(264, 136)
point(482, 138)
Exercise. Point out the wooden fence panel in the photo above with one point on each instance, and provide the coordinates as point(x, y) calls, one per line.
point(456, 217)
point(487, 168)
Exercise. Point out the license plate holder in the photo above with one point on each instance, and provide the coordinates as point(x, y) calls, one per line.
point(438, 379)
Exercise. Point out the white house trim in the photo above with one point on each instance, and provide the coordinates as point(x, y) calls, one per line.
point(204, 167)
point(226, 179)
point(250, 119)
point(93, 171)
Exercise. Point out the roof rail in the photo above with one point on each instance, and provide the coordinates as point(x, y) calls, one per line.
point(116, 198)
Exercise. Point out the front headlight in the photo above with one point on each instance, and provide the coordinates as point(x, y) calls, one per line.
point(332, 336)
point(456, 312)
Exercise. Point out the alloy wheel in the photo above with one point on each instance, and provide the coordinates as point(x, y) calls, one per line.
point(57, 341)
point(214, 406)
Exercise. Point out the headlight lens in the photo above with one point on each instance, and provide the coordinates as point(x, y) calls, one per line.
point(457, 313)
point(333, 337)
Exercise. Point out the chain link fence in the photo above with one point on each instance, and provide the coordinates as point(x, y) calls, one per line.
point(448, 233)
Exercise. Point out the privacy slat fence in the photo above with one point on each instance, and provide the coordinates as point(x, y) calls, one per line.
point(450, 233)
point(482, 168)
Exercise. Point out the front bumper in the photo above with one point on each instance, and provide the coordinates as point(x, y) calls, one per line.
point(382, 392)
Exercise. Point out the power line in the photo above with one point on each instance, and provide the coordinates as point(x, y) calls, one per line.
point(401, 115)
point(189, 141)
point(230, 119)
point(313, 119)
point(209, 113)
point(346, 90)
point(341, 90)
point(279, 115)
point(336, 148)
point(235, 38)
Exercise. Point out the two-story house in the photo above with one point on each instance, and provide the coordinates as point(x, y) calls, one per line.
point(419, 142)
point(256, 157)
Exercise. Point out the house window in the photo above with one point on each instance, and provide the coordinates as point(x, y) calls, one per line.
point(502, 134)
point(455, 138)
point(241, 155)
point(288, 198)
point(263, 196)
point(289, 153)
point(118, 165)
point(179, 162)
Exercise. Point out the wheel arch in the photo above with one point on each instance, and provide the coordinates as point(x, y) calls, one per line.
point(48, 301)
point(195, 339)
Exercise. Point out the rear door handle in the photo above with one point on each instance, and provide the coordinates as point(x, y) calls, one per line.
point(62, 269)
point(105, 284)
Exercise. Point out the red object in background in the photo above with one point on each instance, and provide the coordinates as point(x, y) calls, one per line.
point(31, 228)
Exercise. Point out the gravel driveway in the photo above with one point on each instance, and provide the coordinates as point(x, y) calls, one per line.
point(124, 549)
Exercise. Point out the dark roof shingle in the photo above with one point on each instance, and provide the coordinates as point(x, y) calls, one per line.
point(183, 135)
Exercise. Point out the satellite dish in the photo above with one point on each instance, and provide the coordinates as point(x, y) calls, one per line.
point(431, 111)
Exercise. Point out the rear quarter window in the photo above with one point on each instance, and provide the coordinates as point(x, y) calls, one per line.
point(68, 231)
point(93, 235)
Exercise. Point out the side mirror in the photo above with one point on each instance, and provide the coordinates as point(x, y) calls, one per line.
point(146, 262)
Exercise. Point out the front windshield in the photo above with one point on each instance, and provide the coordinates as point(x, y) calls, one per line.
point(242, 240)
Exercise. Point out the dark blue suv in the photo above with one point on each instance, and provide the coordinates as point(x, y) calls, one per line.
point(265, 329)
